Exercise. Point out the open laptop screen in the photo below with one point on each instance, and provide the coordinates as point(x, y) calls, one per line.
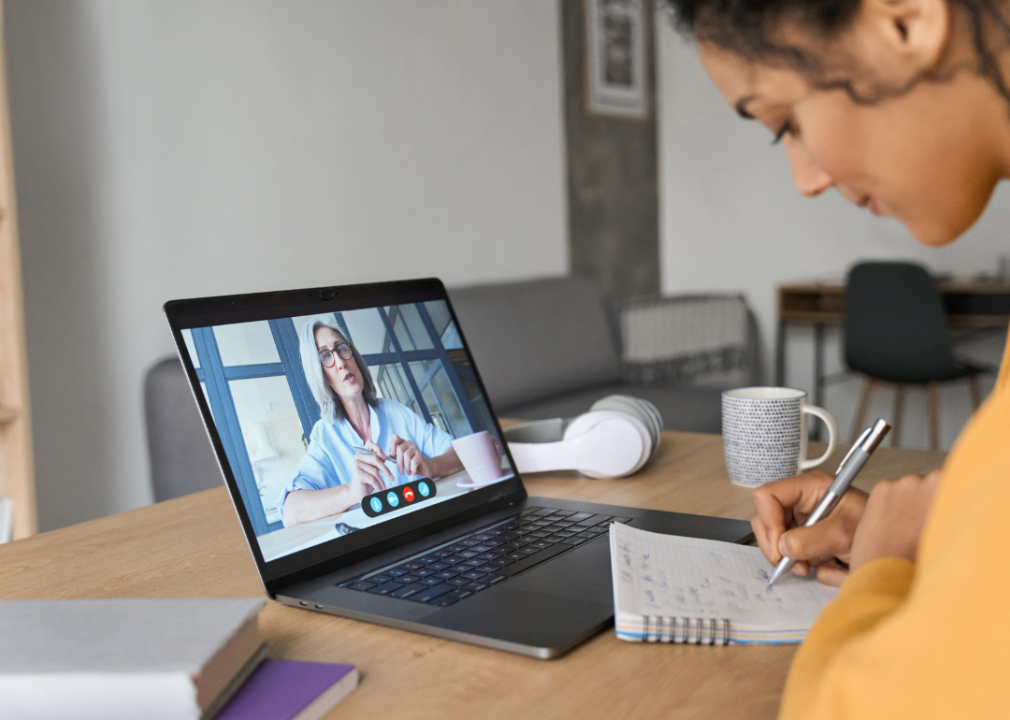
point(342, 420)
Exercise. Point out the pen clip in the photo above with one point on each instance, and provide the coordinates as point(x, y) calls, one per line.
point(856, 444)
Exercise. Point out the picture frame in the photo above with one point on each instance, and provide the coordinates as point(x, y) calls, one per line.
point(616, 78)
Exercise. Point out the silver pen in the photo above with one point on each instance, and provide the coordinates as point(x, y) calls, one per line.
point(850, 466)
point(366, 451)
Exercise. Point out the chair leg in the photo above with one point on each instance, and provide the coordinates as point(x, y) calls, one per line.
point(864, 402)
point(899, 409)
point(976, 392)
point(933, 399)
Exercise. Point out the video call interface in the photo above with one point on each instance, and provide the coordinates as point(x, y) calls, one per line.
point(336, 422)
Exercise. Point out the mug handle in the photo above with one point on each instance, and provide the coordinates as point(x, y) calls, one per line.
point(826, 418)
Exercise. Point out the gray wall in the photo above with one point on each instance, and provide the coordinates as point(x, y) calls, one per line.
point(174, 148)
point(731, 219)
point(613, 195)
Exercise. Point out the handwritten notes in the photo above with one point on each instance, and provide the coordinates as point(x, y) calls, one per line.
point(667, 576)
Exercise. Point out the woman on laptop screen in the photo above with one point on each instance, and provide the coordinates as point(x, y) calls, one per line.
point(362, 443)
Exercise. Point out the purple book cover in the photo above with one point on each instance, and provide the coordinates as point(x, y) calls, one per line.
point(280, 689)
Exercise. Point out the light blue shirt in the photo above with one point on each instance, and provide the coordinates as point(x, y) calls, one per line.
point(329, 461)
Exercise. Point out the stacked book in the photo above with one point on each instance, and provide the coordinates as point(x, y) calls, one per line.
point(157, 659)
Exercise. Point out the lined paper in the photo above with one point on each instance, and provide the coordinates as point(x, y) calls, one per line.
point(673, 577)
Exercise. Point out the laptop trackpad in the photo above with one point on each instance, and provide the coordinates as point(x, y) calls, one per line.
point(524, 617)
point(584, 575)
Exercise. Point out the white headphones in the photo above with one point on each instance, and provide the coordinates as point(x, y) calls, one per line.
point(614, 439)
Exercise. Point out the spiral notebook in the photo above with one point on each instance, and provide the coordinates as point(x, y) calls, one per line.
point(686, 590)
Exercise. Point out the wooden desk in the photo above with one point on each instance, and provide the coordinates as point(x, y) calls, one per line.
point(969, 304)
point(193, 546)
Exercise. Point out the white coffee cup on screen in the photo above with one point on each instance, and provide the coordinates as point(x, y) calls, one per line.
point(764, 434)
point(480, 454)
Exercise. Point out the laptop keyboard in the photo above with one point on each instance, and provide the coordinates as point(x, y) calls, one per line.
point(453, 571)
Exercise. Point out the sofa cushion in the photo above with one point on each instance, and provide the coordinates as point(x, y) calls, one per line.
point(685, 408)
point(535, 339)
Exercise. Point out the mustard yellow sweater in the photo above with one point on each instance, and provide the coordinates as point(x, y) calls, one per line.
point(929, 639)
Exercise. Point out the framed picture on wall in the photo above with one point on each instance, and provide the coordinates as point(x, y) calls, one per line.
point(615, 58)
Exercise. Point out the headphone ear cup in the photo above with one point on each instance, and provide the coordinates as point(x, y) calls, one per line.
point(610, 443)
point(644, 410)
point(651, 412)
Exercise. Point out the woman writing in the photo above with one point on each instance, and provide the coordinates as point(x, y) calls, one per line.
point(335, 475)
point(902, 106)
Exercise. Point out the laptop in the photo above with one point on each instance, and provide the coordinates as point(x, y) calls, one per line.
point(333, 413)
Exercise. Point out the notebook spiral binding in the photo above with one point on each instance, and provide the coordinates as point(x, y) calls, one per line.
point(685, 630)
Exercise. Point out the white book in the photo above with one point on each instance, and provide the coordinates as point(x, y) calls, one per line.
point(6, 519)
point(110, 659)
point(687, 590)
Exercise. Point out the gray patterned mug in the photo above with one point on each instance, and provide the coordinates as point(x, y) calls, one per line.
point(764, 434)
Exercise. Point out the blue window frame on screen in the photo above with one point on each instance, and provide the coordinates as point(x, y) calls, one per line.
point(252, 378)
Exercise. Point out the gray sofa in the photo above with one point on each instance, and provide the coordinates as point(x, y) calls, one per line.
point(182, 458)
point(552, 347)
point(544, 348)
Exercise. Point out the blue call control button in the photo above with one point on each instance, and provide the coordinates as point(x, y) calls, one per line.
point(389, 500)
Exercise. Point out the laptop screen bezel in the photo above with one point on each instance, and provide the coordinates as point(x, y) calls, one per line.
point(339, 552)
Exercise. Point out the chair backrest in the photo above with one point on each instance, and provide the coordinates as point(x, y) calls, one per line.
point(537, 339)
point(895, 324)
point(182, 458)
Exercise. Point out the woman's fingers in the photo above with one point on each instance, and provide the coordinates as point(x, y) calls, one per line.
point(404, 453)
point(397, 446)
point(409, 460)
point(369, 485)
point(365, 474)
point(376, 468)
point(832, 573)
point(408, 457)
point(781, 505)
point(828, 538)
point(376, 449)
point(801, 568)
point(760, 529)
point(895, 514)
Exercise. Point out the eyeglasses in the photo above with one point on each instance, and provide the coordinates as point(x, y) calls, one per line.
point(327, 358)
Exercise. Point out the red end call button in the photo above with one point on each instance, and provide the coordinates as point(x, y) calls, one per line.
point(408, 494)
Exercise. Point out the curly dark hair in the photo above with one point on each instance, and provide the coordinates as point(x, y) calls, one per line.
point(748, 27)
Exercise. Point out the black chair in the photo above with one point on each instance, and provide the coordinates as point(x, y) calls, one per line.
point(896, 334)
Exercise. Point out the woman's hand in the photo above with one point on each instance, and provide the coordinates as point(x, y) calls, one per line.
point(894, 517)
point(370, 474)
point(409, 460)
point(782, 508)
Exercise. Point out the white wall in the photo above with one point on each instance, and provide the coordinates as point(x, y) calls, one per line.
point(178, 148)
point(731, 220)
point(175, 148)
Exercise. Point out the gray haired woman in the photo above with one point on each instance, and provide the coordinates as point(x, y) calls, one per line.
point(334, 476)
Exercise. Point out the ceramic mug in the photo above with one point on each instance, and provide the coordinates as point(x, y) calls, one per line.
point(764, 434)
point(480, 454)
